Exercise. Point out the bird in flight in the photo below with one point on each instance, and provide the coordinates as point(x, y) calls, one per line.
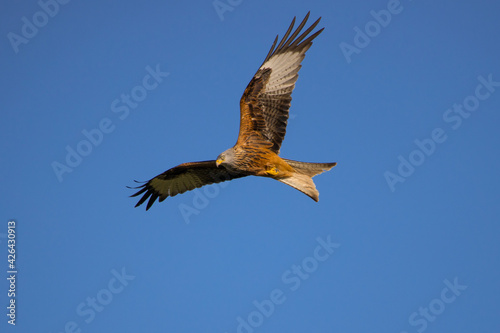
point(263, 118)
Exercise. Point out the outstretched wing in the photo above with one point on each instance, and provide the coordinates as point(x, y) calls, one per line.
point(182, 178)
point(265, 103)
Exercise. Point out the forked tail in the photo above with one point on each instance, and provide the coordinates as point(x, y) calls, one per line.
point(302, 179)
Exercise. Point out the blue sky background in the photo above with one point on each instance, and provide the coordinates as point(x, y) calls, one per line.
point(395, 247)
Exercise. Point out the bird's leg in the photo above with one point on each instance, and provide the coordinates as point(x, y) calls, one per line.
point(273, 171)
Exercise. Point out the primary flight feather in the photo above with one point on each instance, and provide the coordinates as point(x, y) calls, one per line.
point(264, 110)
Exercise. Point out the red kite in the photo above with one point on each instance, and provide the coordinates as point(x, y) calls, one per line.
point(263, 118)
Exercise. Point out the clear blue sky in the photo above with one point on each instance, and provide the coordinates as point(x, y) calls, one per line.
point(405, 237)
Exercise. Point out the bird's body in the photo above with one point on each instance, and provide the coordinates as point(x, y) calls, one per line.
point(264, 110)
point(258, 162)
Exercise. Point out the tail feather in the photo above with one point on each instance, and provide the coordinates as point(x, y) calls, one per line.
point(303, 183)
point(310, 169)
point(302, 178)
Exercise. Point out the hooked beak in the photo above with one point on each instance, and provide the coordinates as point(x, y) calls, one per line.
point(218, 162)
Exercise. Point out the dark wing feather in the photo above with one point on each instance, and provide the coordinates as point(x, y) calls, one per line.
point(265, 103)
point(182, 178)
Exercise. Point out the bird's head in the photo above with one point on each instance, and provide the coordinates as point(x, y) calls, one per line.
point(225, 158)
